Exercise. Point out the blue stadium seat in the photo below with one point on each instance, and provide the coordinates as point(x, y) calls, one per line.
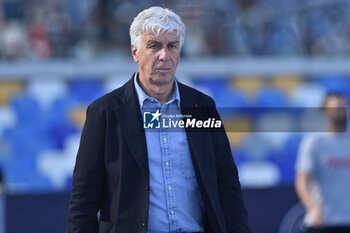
point(61, 107)
point(27, 109)
point(58, 133)
point(230, 97)
point(239, 156)
point(220, 89)
point(334, 83)
point(293, 143)
point(59, 125)
point(214, 84)
point(269, 96)
point(286, 158)
point(27, 141)
point(85, 91)
point(308, 95)
point(18, 172)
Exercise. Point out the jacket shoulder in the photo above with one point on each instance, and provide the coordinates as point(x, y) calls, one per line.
point(108, 101)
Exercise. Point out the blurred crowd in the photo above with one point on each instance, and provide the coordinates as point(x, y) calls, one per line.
point(87, 29)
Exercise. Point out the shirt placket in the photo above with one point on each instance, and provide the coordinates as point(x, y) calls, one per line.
point(168, 177)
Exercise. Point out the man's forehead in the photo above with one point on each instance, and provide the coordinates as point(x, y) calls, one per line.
point(336, 100)
point(169, 36)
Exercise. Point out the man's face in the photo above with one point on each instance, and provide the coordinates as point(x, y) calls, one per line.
point(336, 109)
point(157, 57)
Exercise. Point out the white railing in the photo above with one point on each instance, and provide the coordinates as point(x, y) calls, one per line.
point(206, 67)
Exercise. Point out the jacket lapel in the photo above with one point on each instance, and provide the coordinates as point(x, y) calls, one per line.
point(190, 106)
point(129, 116)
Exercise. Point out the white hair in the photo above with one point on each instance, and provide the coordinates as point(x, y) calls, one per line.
point(155, 20)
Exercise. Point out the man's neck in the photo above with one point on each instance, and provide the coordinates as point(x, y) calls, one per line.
point(161, 93)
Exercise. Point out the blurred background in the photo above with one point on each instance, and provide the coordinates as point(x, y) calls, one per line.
point(57, 56)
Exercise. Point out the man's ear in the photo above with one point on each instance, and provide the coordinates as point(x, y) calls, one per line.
point(134, 53)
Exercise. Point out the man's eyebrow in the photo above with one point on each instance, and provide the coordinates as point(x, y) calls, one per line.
point(153, 42)
point(159, 42)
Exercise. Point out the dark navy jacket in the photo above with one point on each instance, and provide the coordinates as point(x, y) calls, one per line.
point(111, 172)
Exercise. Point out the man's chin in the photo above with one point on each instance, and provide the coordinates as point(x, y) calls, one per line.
point(162, 79)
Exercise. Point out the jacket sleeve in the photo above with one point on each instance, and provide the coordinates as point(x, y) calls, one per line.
point(236, 216)
point(88, 176)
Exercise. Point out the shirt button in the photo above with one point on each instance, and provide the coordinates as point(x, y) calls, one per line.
point(166, 163)
point(147, 187)
point(172, 212)
point(164, 139)
point(170, 188)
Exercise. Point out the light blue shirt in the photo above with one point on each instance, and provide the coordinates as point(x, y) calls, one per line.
point(175, 203)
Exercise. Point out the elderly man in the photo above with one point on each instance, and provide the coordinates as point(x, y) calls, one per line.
point(154, 180)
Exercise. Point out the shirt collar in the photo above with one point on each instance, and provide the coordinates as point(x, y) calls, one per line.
point(142, 96)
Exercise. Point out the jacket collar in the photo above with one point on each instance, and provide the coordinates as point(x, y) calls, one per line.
point(142, 96)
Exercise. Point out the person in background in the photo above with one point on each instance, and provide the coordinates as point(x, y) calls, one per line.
point(323, 172)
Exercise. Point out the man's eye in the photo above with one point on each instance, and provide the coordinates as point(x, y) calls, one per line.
point(153, 46)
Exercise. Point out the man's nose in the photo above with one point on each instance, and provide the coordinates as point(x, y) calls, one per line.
point(164, 54)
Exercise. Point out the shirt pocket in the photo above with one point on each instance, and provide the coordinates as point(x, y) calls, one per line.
point(186, 161)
